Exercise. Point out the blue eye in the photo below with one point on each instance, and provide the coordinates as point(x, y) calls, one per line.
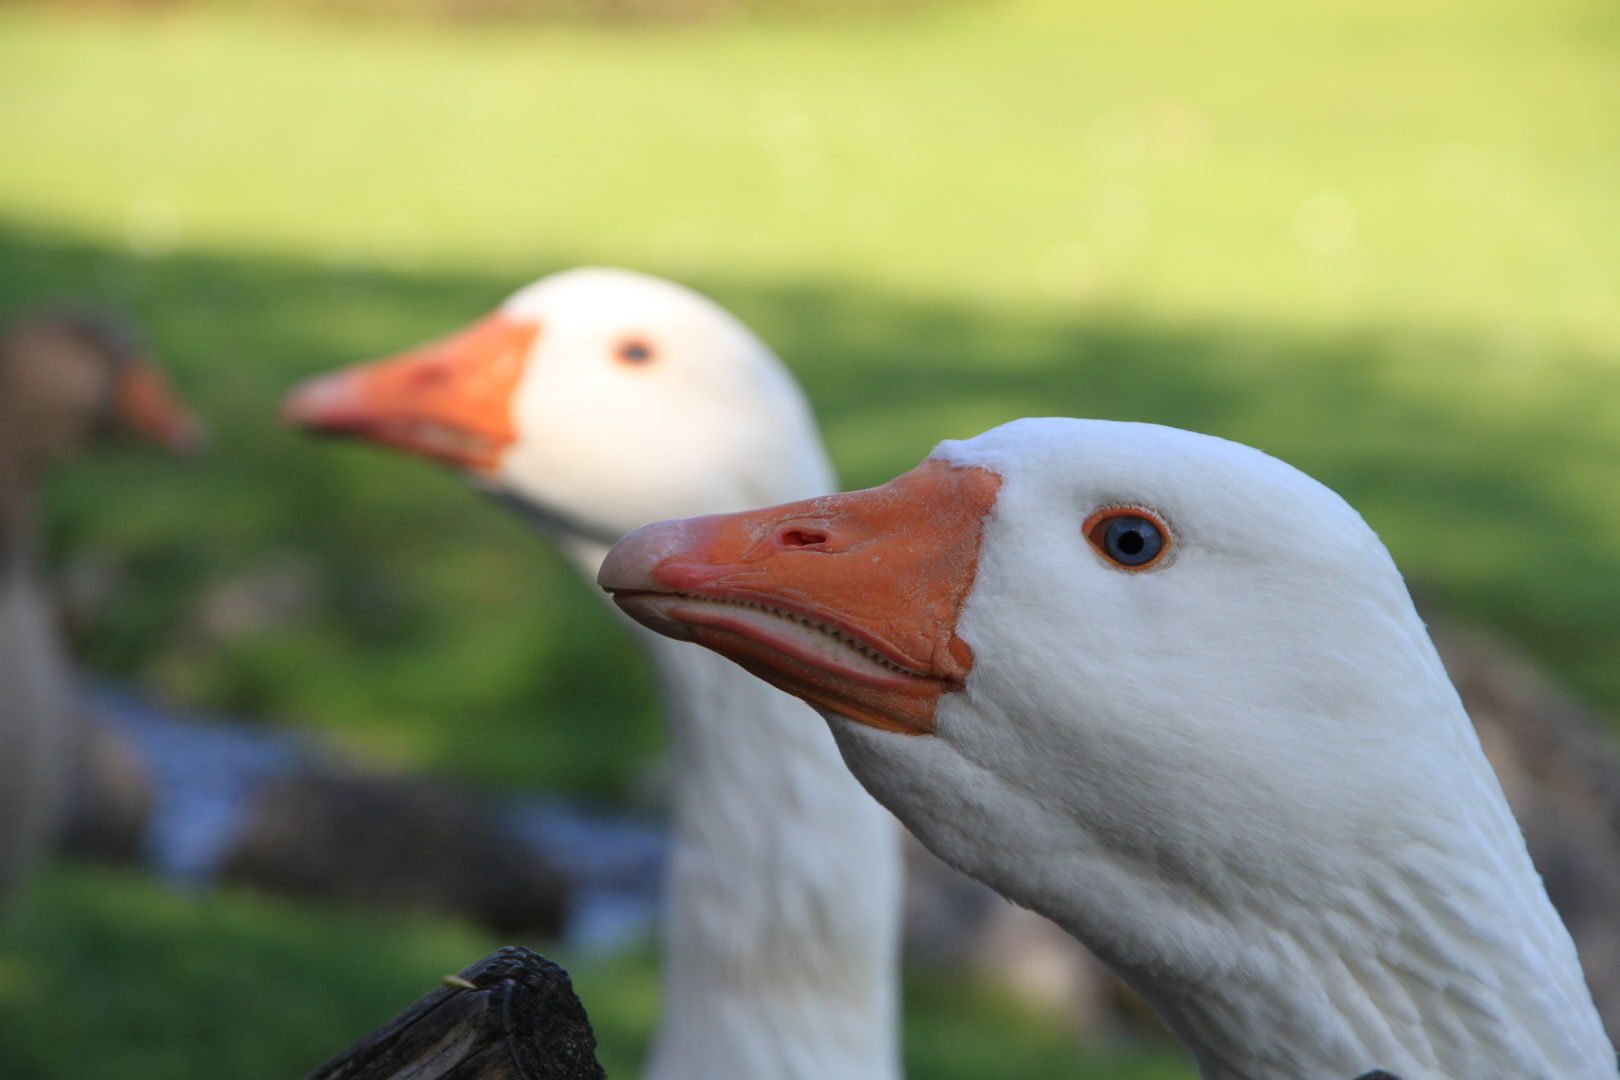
point(1130, 539)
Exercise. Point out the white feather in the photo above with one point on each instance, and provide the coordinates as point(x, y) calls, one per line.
point(782, 926)
point(1242, 778)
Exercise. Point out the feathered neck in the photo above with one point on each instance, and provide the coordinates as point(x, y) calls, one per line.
point(1425, 946)
point(781, 930)
point(1440, 963)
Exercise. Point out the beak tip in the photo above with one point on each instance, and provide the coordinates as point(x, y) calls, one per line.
point(635, 563)
point(144, 405)
point(626, 565)
point(633, 572)
point(313, 404)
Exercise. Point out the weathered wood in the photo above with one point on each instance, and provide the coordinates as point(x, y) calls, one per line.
point(511, 1016)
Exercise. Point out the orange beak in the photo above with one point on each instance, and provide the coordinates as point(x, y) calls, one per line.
point(144, 403)
point(848, 601)
point(450, 401)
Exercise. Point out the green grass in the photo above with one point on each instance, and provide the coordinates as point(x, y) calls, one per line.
point(1378, 239)
point(104, 976)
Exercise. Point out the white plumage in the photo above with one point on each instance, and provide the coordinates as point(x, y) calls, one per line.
point(1241, 776)
point(639, 399)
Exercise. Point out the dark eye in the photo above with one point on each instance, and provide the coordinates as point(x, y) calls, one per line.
point(635, 351)
point(1131, 539)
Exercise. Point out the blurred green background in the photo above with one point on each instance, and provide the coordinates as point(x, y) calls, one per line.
point(1378, 239)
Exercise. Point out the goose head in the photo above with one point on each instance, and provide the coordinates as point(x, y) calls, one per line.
point(1106, 615)
point(597, 399)
point(1172, 693)
point(68, 377)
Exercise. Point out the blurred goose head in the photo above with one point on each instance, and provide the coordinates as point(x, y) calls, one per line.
point(66, 378)
point(597, 399)
point(69, 377)
point(1173, 694)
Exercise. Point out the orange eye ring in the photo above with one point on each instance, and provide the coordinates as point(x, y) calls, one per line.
point(1130, 538)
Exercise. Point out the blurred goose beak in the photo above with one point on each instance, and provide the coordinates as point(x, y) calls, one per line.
point(450, 401)
point(848, 601)
point(145, 403)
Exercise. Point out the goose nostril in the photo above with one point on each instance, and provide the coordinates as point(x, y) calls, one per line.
point(429, 376)
point(801, 538)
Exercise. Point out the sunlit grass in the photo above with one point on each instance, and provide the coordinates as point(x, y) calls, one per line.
point(1452, 162)
point(1377, 240)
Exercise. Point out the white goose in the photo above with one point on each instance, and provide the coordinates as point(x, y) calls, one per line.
point(599, 400)
point(1171, 693)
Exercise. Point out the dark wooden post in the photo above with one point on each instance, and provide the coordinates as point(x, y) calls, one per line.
point(511, 1016)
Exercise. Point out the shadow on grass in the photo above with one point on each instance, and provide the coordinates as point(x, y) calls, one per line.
point(108, 976)
point(105, 975)
point(433, 630)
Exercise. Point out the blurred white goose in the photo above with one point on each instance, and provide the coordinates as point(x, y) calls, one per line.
point(599, 400)
point(1171, 693)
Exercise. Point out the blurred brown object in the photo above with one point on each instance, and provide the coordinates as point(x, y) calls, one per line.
point(110, 797)
point(396, 843)
point(66, 378)
point(279, 591)
point(953, 921)
point(511, 1016)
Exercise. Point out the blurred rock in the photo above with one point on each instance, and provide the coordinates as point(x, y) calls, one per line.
point(87, 583)
point(264, 599)
point(396, 843)
point(945, 911)
point(1560, 767)
point(953, 921)
point(110, 797)
point(1046, 969)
